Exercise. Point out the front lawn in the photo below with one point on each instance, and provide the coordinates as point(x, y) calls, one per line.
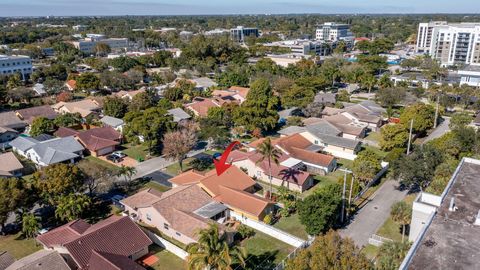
point(18, 246)
point(137, 152)
point(157, 186)
point(265, 252)
point(174, 169)
point(393, 230)
point(292, 226)
point(375, 150)
point(166, 259)
point(98, 161)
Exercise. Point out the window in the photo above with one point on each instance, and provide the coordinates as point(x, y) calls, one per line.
point(149, 218)
point(165, 226)
point(259, 173)
point(316, 141)
point(178, 234)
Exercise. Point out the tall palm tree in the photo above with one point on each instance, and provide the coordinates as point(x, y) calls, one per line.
point(401, 213)
point(72, 206)
point(212, 251)
point(127, 172)
point(271, 154)
point(30, 225)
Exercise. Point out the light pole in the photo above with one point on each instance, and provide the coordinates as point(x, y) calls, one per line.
point(343, 192)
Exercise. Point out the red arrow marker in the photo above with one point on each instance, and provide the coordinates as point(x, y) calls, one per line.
point(220, 165)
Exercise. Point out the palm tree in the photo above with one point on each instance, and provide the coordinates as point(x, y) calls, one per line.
point(212, 251)
point(30, 225)
point(72, 206)
point(127, 172)
point(270, 153)
point(401, 213)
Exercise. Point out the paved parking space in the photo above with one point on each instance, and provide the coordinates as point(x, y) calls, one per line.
point(126, 161)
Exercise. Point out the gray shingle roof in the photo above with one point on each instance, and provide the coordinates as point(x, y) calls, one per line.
point(23, 143)
point(178, 114)
point(338, 141)
point(57, 150)
point(11, 120)
point(40, 260)
point(323, 128)
point(112, 121)
point(292, 130)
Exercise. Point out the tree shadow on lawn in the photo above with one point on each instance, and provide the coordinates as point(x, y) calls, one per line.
point(264, 261)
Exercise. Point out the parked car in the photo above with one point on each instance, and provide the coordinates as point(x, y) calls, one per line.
point(116, 200)
point(119, 154)
point(114, 158)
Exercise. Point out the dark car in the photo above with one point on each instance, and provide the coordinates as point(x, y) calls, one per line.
point(114, 158)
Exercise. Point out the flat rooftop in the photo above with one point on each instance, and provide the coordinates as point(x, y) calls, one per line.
point(452, 241)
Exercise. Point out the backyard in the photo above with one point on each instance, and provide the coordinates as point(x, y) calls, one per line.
point(166, 260)
point(264, 252)
point(292, 226)
point(18, 246)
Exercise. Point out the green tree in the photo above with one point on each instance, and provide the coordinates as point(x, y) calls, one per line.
point(298, 96)
point(268, 152)
point(102, 49)
point(30, 225)
point(320, 211)
point(127, 172)
point(423, 116)
point(391, 255)
point(260, 108)
point(460, 120)
point(373, 63)
point(140, 102)
point(41, 125)
point(123, 63)
point(114, 106)
point(390, 97)
point(68, 120)
point(12, 193)
point(71, 207)
point(150, 125)
point(87, 81)
point(330, 252)
point(385, 81)
point(368, 81)
point(366, 165)
point(401, 213)
point(58, 180)
point(393, 136)
point(212, 251)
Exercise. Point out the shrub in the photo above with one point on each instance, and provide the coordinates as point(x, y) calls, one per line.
point(245, 231)
point(268, 219)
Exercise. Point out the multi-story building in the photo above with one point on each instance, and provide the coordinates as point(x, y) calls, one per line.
point(450, 44)
point(10, 65)
point(303, 47)
point(79, 27)
point(217, 32)
point(331, 31)
point(445, 228)
point(87, 45)
point(240, 33)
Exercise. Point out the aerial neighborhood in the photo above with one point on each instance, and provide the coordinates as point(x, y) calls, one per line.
point(240, 142)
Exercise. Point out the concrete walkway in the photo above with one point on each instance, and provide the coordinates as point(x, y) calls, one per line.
point(372, 216)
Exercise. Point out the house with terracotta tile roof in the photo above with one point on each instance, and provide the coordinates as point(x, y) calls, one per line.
point(129, 95)
point(200, 105)
point(232, 181)
point(111, 241)
point(71, 85)
point(237, 93)
point(98, 141)
point(295, 178)
point(178, 213)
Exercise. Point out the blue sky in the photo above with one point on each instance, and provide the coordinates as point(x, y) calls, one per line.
point(188, 7)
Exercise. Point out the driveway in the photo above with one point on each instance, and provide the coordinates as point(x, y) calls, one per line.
point(439, 131)
point(372, 216)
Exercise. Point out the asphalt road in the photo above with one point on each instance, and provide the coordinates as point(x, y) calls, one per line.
point(372, 216)
point(439, 131)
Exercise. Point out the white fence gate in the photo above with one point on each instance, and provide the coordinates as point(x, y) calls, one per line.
point(167, 245)
point(269, 230)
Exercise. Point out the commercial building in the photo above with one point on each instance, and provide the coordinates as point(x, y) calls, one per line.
point(87, 45)
point(217, 32)
point(13, 64)
point(240, 33)
point(303, 46)
point(470, 75)
point(331, 31)
point(446, 228)
point(451, 44)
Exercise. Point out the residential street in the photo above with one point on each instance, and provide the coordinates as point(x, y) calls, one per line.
point(439, 131)
point(372, 216)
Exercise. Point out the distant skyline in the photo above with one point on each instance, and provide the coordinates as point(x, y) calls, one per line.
point(211, 7)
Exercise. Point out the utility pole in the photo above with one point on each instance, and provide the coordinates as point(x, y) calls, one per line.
point(350, 195)
point(410, 137)
point(436, 113)
point(344, 190)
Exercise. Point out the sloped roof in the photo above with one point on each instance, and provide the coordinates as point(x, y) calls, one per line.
point(9, 162)
point(57, 150)
point(187, 178)
point(23, 143)
point(72, 84)
point(112, 121)
point(116, 235)
point(243, 200)
point(241, 91)
point(292, 130)
point(201, 106)
point(5, 259)
point(233, 177)
point(29, 114)
point(109, 261)
point(64, 234)
point(178, 114)
point(40, 260)
point(322, 97)
point(143, 198)
point(99, 138)
point(65, 132)
point(11, 120)
point(323, 127)
point(84, 106)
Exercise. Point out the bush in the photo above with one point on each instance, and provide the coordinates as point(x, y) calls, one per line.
point(268, 219)
point(245, 232)
point(201, 164)
point(395, 154)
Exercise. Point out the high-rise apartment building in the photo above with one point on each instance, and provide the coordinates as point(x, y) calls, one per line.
point(13, 64)
point(450, 44)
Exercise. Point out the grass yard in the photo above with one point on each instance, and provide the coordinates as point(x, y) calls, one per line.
point(103, 163)
point(17, 246)
point(292, 226)
point(375, 150)
point(265, 251)
point(373, 136)
point(166, 260)
point(157, 186)
point(137, 152)
point(174, 169)
point(370, 251)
